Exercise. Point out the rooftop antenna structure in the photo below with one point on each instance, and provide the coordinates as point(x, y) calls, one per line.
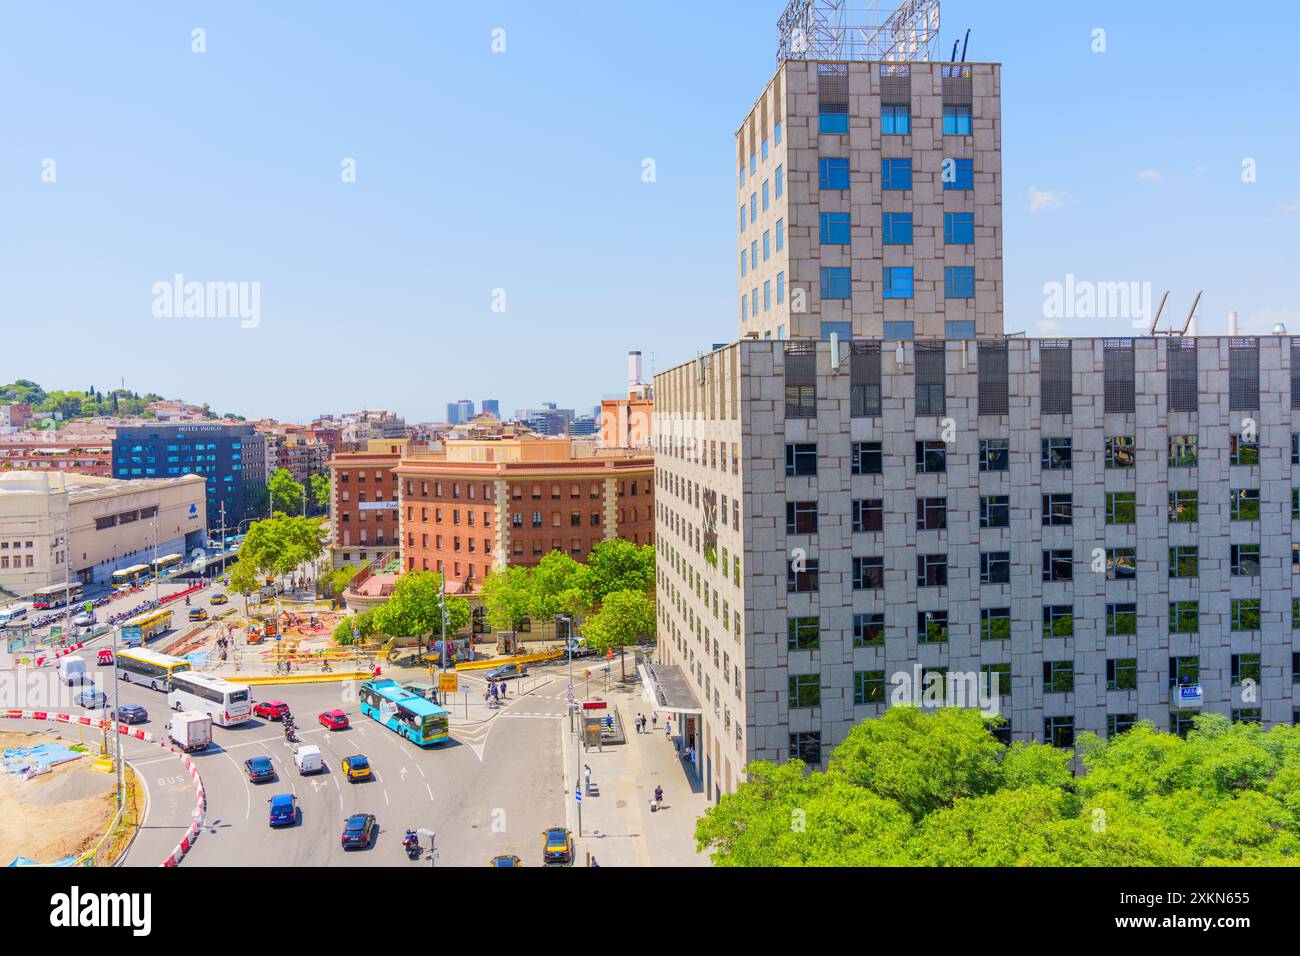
point(1191, 316)
point(840, 30)
point(1159, 312)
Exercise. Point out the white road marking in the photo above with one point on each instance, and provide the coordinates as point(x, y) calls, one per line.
point(385, 798)
point(430, 789)
point(421, 769)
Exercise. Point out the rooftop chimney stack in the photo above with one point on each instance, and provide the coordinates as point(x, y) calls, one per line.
point(1232, 323)
point(634, 369)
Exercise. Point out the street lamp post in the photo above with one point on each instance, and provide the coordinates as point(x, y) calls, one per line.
point(117, 762)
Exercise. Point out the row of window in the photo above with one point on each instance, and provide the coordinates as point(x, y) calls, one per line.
point(896, 120)
point(754, 160)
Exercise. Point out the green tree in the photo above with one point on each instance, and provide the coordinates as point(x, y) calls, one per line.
point(340, 578)
point(320, 492)
point(286, 494)
point(279, 545)
point(507, 596)
point(556, 586)
point(415, 609)
point(616, 565)
point(623, 619)
point(363, 624)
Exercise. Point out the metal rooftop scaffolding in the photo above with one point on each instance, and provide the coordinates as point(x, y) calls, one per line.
point(833, 30)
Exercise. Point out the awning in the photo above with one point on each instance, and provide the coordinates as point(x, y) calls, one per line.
point(671, 691)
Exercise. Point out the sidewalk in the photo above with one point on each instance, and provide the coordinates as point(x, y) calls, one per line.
point(617, 825)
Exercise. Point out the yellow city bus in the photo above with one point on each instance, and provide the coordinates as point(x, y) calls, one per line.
point(164, 564)
point(146, 627)
point(130, 576)
point(149, 667)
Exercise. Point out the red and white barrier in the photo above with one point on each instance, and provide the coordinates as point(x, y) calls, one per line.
point(200, 797)
point(63, 652)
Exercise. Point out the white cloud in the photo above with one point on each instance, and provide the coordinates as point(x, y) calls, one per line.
point(1039, 199)
point(1151, 176)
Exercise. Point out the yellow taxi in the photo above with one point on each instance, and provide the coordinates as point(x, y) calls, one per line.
point(198, 614)
point(557, 847)
point(357, 768)
point(219, 599)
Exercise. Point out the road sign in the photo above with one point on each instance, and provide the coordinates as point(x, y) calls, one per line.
point(569, 689)
point(577, 794)
point(593, 705)
point(449, 683)
point(90, 607)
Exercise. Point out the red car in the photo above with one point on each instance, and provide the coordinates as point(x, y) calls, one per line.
point(334, 720)
point(105, 656)
point(270, 709)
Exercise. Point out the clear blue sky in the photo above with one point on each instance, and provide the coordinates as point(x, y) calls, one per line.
point(521, 171)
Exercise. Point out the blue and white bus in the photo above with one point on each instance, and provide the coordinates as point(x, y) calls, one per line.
point(404, 713)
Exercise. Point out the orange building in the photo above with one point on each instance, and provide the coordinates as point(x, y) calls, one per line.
point(629, 422)
point(364, 520)
point(483, 504)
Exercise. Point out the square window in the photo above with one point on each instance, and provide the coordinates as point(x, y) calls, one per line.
point(959, 282)
point(956, 121)
point(896, 174)
point(897, 228)
point(833, 173)
point(833, 123)
point(959, 228)
point(895, 120)
point(835, 231)
point(898, 282)
point(868, 630)
point(837, 283)
point(960, 175)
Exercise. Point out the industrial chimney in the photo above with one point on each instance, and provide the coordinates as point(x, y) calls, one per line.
point(634, 370)
point(1232, 323)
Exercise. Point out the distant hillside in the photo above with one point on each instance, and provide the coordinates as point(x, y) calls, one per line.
point(88, 404)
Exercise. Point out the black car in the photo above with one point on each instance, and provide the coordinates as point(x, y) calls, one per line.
point(132, 714)
point(359, 830)
point(259, 769)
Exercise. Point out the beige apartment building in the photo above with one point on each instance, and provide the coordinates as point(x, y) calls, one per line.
point(106, 524)
point(870, 202)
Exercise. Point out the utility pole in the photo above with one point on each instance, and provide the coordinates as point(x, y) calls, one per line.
point(155, 562)
point(117, 761)
point(442, 608)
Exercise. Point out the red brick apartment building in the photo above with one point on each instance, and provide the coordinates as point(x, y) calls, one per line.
point(485, 504)
point(364, 520)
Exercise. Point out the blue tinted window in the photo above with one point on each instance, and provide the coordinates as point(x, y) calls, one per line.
point(780, 234)
point(898, 283)
point(753, 163)
point(753, 302)
point(753, 207)
point(764, 150)
point(959, 330)
point(959, 228)
point(744, 264)
point(767, 244)
point(833, 123)
point(837, 284)
point(753, 254)
point(833, 173)
point(780, 181)
point(962, 175)
point(835, 229)
point(767, 295)
point(897, 227)
point(896, 174)
point(956, 121)
point(895, 120)
point(766, 198)
point(744, 308)
point(780, 288)
point(742, 218)
point(899, 331)
point(843, 329)
point(742, 174)
point(959, 282)
point(777, 134)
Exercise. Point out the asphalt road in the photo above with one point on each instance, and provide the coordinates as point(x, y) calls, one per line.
point(491, 790)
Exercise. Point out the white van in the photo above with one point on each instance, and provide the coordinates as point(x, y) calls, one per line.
point(308, 759)
point(72, 670)
point(12, 614)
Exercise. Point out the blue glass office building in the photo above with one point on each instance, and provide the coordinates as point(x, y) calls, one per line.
point(232, 459)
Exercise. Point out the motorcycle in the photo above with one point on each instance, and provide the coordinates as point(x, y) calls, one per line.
point(411, 843)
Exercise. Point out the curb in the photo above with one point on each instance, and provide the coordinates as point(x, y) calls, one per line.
point(200, 797)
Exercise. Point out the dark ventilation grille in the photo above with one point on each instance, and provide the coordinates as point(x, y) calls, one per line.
point(929, 378)
point(1118, 375)
point(1295, 373)
point(833, 87)
point(994, 389)
point(895, 85)
point(864, 379)
point(801, 380)
point(1243, 375)
point(1181, 365)
point(957, 86)
point(1056, 390)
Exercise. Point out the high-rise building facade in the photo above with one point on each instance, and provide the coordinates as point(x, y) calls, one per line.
point(869, 202)
point(1107, 526)
point(231, 458)
point(492, 407)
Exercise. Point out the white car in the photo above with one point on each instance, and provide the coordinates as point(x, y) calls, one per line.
point(84, 619)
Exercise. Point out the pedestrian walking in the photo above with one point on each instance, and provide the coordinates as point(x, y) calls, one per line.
point(505, 690)
point(654, 721)
point(668, 728)
point(594, 863)
point(586, 779)
point(659, 798)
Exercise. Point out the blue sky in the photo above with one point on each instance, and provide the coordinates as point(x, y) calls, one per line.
point(521, 171)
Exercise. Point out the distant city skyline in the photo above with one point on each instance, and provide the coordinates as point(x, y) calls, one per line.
point(375, 259)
